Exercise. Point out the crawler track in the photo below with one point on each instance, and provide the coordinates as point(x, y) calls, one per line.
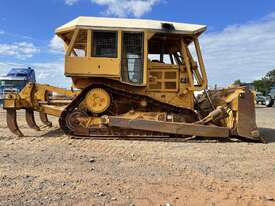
point(118, 106)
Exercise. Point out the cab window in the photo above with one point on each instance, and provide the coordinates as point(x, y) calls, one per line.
point(80, 46)
point(104, 44)
point(164, 50)
point(132, 57)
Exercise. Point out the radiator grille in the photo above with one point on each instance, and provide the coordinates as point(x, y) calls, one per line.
point(163, 80)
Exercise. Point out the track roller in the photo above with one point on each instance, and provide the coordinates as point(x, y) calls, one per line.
point(12, 122)
point(30, 119)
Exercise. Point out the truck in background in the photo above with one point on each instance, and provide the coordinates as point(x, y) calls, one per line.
point(270, 98)
point(259, 98)
point(15, 80)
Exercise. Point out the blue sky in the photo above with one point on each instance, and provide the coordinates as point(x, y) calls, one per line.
point(239, 44)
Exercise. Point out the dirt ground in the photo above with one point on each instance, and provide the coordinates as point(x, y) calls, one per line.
point(49, 168)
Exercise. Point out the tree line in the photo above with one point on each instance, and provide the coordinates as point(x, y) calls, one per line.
point(264, 84)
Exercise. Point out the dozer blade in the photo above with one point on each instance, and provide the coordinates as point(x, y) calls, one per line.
point(44, 119)
point(12, 122)
point(30, 119)
point(246, 118)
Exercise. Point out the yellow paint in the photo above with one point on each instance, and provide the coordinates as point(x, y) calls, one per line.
point(92, 66)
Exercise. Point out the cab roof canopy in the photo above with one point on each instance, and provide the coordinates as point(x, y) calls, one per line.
point(132, 24)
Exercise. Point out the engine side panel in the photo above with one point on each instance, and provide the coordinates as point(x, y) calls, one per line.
point(182, 100)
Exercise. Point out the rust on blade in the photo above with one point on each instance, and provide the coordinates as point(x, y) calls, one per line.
point(246, 118)
point(44, 119)
point(12, 122)
point(30, 119)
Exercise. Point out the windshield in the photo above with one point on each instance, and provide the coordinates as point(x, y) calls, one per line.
point(259, 94)
point(19, 84)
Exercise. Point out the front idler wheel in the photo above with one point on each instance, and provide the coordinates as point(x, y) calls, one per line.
point(72, 121)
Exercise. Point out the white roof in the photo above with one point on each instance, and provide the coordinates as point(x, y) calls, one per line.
point(137, 24)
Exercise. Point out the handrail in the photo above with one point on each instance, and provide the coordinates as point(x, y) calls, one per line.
point(188, 66)
point(202, 67)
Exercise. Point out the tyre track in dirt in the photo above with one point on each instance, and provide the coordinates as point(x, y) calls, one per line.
point(50, 168)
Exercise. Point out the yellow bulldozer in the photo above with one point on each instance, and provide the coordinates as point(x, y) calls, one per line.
point(136, 78)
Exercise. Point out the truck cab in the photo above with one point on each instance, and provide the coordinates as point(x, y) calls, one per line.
point(15, 80)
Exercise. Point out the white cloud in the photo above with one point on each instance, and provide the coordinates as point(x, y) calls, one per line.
point(122, 8)
point(71, 2)
point(56, 45)
point(20, 50)
point(5, 67)
point(243, 52)
point(51, 73)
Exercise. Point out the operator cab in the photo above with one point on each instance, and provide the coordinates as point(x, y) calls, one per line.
point(147, 53)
